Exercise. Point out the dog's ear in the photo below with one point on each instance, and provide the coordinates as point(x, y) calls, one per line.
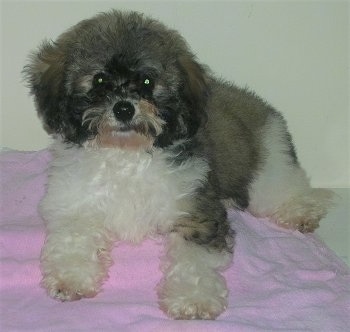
point(45, 76)
point(195, 90)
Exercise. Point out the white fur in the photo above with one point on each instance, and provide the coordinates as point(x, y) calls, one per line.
point(192, 286)
point(96, 196)
point(281, 189)
point(133, 194)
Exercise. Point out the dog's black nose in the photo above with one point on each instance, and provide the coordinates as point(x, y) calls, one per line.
point(124, 111)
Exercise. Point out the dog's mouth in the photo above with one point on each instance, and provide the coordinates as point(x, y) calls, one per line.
point(115, 132)
point(124, 137)
point(122, 129)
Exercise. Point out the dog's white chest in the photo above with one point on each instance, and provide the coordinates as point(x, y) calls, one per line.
point(134, 194)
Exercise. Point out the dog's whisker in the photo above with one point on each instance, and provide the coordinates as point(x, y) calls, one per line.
point(149, 125)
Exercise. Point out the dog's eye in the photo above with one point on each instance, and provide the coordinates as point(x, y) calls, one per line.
point(100, 79)
point(147, 83)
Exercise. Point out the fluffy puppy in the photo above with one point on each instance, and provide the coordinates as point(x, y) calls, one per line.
point(148, 141)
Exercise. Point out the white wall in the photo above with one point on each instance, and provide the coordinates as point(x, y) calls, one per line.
point(294, 54)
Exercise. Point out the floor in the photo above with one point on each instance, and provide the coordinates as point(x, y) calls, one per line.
point(335, 228)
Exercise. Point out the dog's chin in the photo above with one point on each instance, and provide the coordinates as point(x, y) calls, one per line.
point(112, 137)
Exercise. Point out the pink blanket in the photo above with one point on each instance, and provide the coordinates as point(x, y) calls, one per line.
point(279, 281)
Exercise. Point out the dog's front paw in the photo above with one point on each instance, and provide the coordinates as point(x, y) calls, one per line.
point(68, 290)
point(66, 281)
point(74, 271)
point(206, 300)
point(194, 308)
point(189, 307)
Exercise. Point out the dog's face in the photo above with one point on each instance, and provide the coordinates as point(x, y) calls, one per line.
point(118, 80)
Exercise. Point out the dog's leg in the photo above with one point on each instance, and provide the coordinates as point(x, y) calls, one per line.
point(281, 190)
point(199, 247)
point(75, 260)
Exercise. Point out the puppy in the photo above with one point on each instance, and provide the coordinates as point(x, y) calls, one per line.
point(148, 141)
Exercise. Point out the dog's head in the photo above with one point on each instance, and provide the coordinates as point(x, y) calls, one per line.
point(118, 79)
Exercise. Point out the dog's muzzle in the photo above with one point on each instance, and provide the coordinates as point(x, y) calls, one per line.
point(124, 111)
